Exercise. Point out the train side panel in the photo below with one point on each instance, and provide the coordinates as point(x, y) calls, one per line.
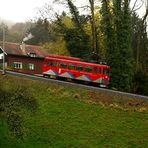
point(78, 70)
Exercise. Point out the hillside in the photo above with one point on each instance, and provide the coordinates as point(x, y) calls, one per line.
point(41, 115)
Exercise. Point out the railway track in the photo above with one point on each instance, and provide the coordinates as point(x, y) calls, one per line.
point(65, 83)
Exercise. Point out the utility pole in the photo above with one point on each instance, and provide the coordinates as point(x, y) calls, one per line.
point(3, 50)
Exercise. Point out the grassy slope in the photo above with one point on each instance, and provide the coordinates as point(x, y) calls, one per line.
point(68, 117)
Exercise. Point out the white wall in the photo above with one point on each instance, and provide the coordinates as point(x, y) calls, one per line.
point(1, 56)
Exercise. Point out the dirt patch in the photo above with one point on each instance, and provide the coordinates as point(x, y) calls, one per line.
point(101, 97)
point(120, 102)
point(136, 103)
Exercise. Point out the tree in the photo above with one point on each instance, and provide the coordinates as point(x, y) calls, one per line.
point(40, 32)
point(77, 40)
point(124, 45)
point(139, 35)
point(78, 19)
point(140, 43)
point(140, 28)
point(17, 32)
point(116, 26)
point(94, 33)
point(108, 31)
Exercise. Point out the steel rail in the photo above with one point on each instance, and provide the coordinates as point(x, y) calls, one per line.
point(66, 83)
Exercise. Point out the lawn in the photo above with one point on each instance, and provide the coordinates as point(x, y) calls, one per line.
point(76, 118)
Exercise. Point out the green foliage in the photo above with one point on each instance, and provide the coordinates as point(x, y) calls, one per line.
point(13, 102)
point(16, 33)
point(140, 43)
point(77, 40)
point(141, 82)
point(124, 46)
point(57, 47)
point(112, 53)
point(15, 37)
point(75, 13)
point(41, 33)
point(118, 43)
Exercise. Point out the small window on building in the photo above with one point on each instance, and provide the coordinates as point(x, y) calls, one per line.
point(79, 67)
point(32, 54)
point(1, 56)
point(18, 65)
point(88, 69)
point(31, 66)
point(63, 65)
point(71, 66)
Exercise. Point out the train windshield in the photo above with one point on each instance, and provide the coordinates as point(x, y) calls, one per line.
point(106, 71)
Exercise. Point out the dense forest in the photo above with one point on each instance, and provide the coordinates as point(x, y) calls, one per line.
point(109, 32)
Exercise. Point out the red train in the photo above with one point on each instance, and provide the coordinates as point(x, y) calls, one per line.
point(74, 68)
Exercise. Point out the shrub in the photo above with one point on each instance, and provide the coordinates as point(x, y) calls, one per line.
point(14, 98)
point(141, 82)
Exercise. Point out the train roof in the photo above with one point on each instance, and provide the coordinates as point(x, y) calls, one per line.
point(64, 57)
point(76, 62)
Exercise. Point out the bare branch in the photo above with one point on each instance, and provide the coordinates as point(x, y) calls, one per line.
point(146, 14)
point(86, 6)
point(136, 3)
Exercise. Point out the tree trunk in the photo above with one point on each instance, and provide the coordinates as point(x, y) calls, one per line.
point(93, 25)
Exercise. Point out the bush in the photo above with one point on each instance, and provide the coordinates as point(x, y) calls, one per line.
point(141, 83)
point(14, 99)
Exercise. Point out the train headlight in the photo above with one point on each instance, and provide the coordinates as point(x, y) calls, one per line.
point(106, 77)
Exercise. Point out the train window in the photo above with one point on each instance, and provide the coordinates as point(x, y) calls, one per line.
point(55, 64)
point(105, 71)
point(71, 66)
point(99, 70)
point(79, 67)
point(88, 69)
point(50, 63)
point(63, 65)
point(95, 69)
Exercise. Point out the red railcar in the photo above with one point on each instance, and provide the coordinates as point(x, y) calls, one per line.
point(76, 69)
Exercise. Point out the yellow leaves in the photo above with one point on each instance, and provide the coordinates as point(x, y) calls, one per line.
point(68, 22)
point(142, 109)
point(57, 47)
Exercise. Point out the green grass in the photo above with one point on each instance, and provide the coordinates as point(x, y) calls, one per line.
point(72, 118)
